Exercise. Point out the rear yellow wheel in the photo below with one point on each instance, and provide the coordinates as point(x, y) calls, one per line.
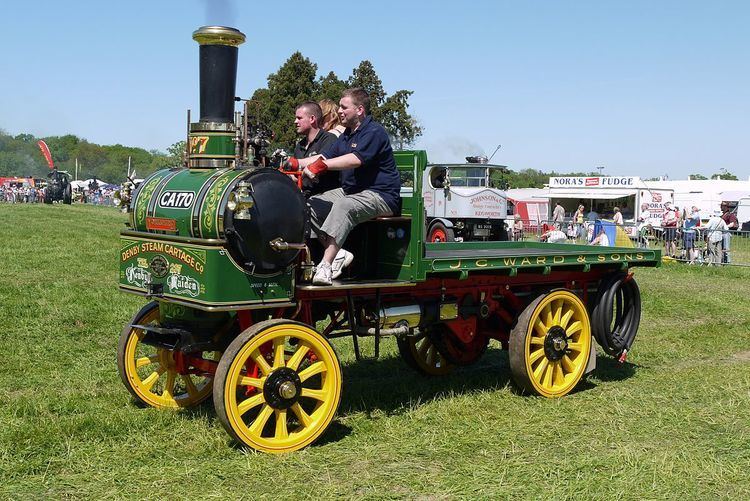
point(150, 374)
point(420, 353)
point(550, 345)
point(278, 386)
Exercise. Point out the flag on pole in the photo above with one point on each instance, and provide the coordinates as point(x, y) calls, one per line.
point(45, 151)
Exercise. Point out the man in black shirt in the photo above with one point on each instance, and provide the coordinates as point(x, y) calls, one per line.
point(370, 182)
point(307, 118)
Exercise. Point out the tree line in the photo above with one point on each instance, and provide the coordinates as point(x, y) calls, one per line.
point(20, 156)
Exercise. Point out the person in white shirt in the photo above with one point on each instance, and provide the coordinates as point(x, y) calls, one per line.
point(669, 224)
point(553, 237)
point(558, 215)
point(715, 233)
point(617, 218)
point(601, 239)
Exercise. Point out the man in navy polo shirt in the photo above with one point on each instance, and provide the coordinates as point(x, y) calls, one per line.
point(370, 182)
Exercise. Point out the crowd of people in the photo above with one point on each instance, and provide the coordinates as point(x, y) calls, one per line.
point(682, 230)
point(17, 193)
point(684, 234)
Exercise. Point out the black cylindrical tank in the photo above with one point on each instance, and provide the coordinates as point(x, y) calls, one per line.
point(218, 71)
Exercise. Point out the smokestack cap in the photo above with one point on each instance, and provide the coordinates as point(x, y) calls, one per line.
point(218, 35)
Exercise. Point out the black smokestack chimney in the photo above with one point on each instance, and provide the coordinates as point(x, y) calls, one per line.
point(218, 63)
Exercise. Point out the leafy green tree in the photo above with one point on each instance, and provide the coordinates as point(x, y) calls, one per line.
point(18, 164)
point(25, 138)
point(295, 82)
point(176, 152)
point(330, 87)
point(724, 174)
point(287, 88)
point(20, 156)
point(396, 119)
point(364, 76)
point(697, 176)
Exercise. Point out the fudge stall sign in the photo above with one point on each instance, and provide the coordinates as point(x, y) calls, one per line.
point(594, 182)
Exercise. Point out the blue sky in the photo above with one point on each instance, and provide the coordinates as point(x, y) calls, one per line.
point(640, 87)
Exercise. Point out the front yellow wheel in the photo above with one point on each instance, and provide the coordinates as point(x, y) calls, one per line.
point(150, 373)
point(550, 345)
point(278, 386)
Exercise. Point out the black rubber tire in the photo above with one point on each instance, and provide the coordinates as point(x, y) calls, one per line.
point(516, 349)
point(616, 314)
point(438, 227)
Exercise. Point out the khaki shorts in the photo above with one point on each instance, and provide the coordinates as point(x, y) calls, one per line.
point(335, 213)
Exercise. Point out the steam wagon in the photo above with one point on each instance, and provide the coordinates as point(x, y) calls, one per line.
point(218, 246)
point(59, 188)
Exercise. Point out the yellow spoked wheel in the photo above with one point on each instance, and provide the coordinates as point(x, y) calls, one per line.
point(150, 373)
point(420, 353)
point(278, 386)
point(550, 345)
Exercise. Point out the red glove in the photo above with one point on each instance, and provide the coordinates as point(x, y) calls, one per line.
point(318, 166)
point(291, 165)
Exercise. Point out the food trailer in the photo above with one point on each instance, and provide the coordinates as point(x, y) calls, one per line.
point(603, 194)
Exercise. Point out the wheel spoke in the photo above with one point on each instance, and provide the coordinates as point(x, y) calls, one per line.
point(537, 340)
point(169, 385)
point(431, 356)
point(567, 364)
point(148, 383)
point(316, 394)
point(540, 327)
point(260, 360)
point(557, 373)
point(281, 429)
point(536, 355)
point(191, 389)
point(566, 318)
point(278, 352)
point(558, 312)
point(251, 381)
point(539, 371)
point(574, 327)
point(251, 402)
point(143, 361)
point(304, 418)
point(260, 421)
point(548, 315)
point(422, 350)
point(576, 347)
point(315, 368)
point(547, 379)
point(299, 355)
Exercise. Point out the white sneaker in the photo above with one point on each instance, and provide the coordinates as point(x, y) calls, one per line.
point(322, 274)
point(343, 259)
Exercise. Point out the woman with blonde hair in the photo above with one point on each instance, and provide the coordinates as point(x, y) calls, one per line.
point(617, 218)
point(331, 121)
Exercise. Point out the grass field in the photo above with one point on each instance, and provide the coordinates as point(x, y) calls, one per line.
point(674, 422)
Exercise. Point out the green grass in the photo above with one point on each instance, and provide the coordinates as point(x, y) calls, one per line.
point(672, 423)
